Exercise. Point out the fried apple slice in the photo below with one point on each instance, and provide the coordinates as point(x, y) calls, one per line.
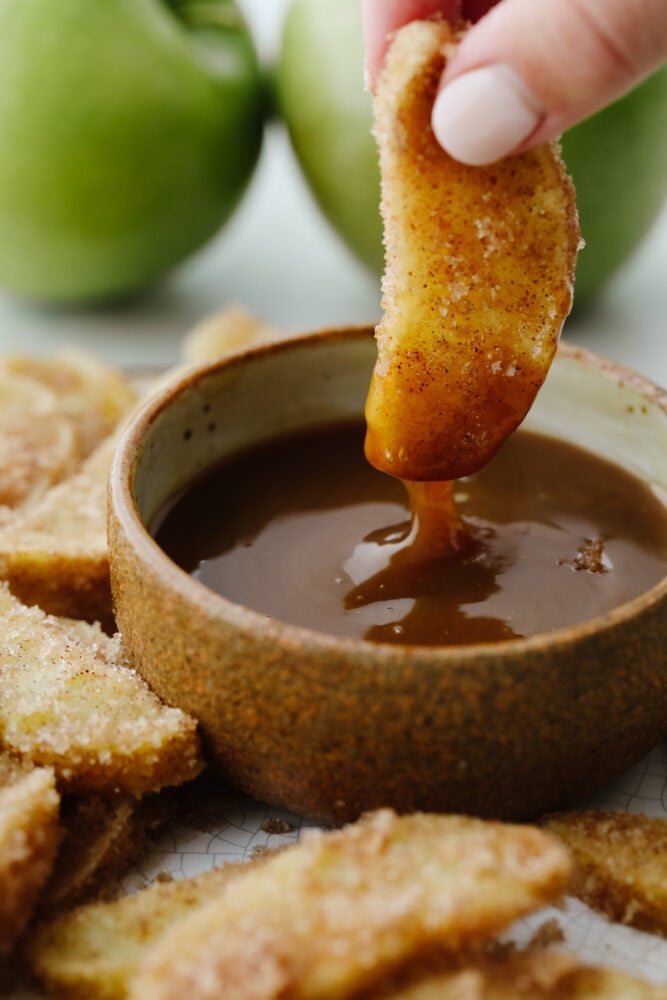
point(29, 837)
point(53, 413)
point(228, 330)
point(36, 441)
point(533, 975)
point(69, 701)
point(339, 910)
point(620, 864)
point(101, 837)
point(91, 395)
point(94, 951)
point(478, 279)
point(54, 553)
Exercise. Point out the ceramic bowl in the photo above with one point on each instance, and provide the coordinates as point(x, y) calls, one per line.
point(329, 726)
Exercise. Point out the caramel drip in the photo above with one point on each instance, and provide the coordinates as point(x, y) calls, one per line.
point(419, 551)
point(438, 529)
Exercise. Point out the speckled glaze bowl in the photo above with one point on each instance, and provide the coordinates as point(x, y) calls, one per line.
point(331, 726)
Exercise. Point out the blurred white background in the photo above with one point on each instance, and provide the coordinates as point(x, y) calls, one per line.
point(279, 258)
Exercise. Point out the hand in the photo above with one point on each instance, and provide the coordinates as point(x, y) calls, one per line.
point(527, 70)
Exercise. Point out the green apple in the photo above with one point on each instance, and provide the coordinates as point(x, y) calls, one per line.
point(321, 95)
point(618, 161)
point(618, 158)
point(128, 132)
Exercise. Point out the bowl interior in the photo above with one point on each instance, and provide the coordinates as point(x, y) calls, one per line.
point(243, 400)
point(608, 410)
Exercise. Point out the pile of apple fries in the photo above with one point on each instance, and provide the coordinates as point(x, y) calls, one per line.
point(85, 746)
point(80, 732)
point(406, 908)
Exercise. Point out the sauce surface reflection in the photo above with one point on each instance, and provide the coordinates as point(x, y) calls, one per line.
point(305, 530)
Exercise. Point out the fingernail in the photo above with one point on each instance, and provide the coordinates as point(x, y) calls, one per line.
point(484, 114)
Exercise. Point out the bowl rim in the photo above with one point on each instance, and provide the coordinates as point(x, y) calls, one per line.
point(123, 507)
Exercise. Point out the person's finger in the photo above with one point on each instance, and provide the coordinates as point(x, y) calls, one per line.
point(381, 18)
point(527, 71)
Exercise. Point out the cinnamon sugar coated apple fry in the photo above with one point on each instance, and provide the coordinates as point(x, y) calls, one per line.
point(92, 395)
point(36, 442)
point(620, 864)
point(230, 329)
point(478, 279)
point(92, 952)
point(532, 975)
point(69, 701)
point(53, 412)
point(54, 553)
point(29, 835)
point(333, 914)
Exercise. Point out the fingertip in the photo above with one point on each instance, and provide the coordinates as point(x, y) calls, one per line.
point(382, 18)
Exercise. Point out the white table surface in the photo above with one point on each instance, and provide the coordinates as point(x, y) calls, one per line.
point(279, 258)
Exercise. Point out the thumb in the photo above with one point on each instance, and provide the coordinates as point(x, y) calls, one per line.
point(528, 71)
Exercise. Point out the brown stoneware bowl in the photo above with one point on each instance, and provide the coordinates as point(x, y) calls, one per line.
point(330, 726)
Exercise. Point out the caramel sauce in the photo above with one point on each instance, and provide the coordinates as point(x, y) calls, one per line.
point(303, 529)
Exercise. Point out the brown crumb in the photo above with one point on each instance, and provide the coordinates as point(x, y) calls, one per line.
point(276, 826)
point(549, 932)
point(496, 950)
point(590, 557)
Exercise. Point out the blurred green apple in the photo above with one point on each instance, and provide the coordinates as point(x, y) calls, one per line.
point(128, 132)
point(321, 95)
point(618, 161)
point(618, 158)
